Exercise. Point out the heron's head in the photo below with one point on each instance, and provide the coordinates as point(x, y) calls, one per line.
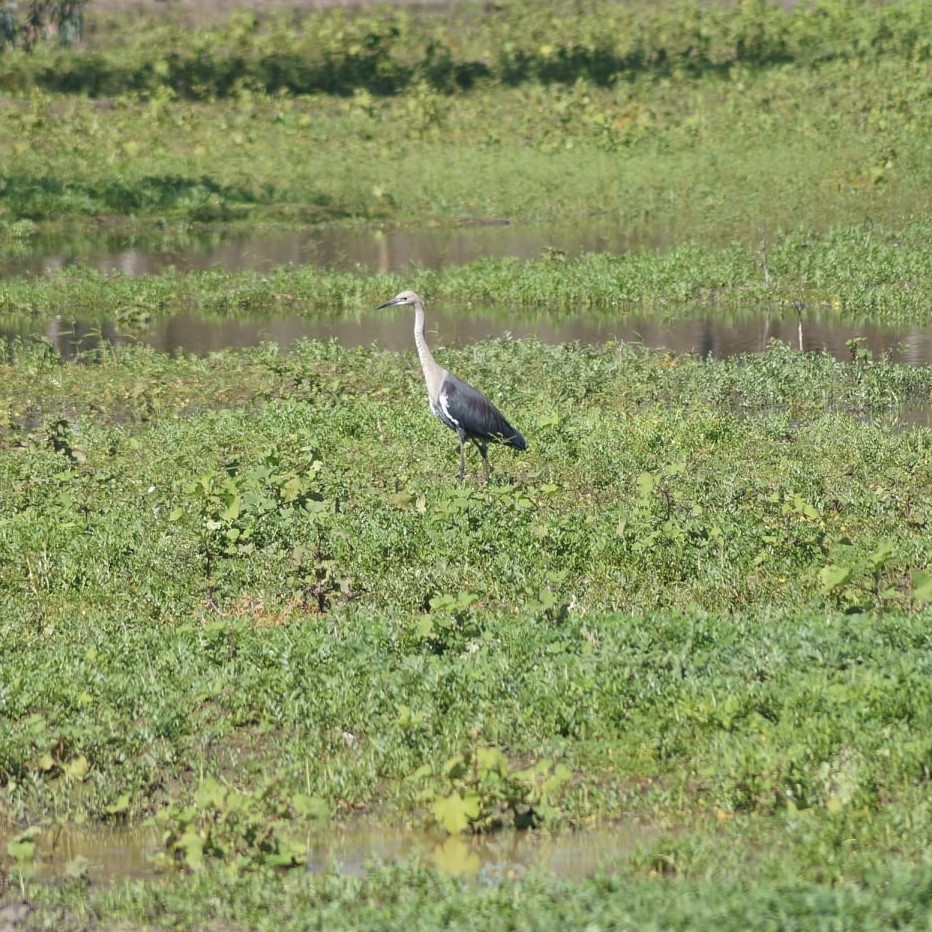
point(403, 297)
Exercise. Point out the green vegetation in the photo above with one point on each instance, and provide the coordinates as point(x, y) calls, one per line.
point(413, 897)
point(241, 594)
point(254, 568)
point(705, 122)
point(387, 51)
point(854, 272)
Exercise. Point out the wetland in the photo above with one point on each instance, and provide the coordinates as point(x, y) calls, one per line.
point(265, 663)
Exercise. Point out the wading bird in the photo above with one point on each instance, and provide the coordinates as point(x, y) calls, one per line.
point(461, 407)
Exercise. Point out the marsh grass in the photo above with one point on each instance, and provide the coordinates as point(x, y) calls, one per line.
point(722, 157)
point(698, 140)
point(247, 582)
point(854, 273)
point(641, 597)
point(414, 897)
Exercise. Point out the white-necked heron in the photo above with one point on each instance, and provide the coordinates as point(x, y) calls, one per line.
point(458, 405)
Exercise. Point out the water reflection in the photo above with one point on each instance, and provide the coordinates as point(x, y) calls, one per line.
point(702, 333)
point(708, 336)
point(354, 248)
point(571, 855)
point(99, 855)
point(339, 247)
point(351, 849)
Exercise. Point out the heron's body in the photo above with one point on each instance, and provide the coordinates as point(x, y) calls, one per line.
point(457, 404)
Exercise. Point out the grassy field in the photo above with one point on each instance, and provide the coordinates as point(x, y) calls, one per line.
point(243, 595)
point(708, 123)
point(703, 593)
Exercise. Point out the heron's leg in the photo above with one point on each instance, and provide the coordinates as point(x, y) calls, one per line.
point(485, 458)
point(462, 438)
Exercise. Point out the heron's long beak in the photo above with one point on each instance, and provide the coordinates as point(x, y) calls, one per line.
point(391, 303)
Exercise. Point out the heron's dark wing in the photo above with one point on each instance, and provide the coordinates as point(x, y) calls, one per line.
point(464, 408)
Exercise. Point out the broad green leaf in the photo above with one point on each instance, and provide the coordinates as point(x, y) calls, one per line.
point(232, 510)
point(21, 850)
point(233, 802)
point(289, 853)
point(311, 807)
point(422, 772)
point(191, 845)
point(119, 806)
point(455, 813)
point(45, 762)
point(210, 793)
point(455, 767)
point(491, 759)
point(76, 768)
point(646, 483)
point(557, 779)
point(882, 554)
point(292, 489)
point(832, 577)
point(22, 847)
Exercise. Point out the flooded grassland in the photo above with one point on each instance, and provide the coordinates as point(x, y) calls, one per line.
point(244, 594)
point(252, 625)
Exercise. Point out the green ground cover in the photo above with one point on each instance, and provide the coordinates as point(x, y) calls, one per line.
point(723, 123)
point(703, 592)
point(415, 898)
point(242, 594)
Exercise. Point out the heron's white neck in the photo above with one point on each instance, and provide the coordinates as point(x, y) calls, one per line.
point(433, 374)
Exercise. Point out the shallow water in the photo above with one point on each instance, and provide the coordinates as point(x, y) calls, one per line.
point(350, 849)
point(704, 334)
point(570, 855)
point(353, 248)
point(342, 248)
point(100, 855)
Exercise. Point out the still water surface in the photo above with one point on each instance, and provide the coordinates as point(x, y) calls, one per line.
point(356, 248)
point(341, 248)
point(702, 333)
point(351, 849)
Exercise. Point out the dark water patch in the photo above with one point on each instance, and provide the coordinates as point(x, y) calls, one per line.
point(340, 248)
point(706, 335)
